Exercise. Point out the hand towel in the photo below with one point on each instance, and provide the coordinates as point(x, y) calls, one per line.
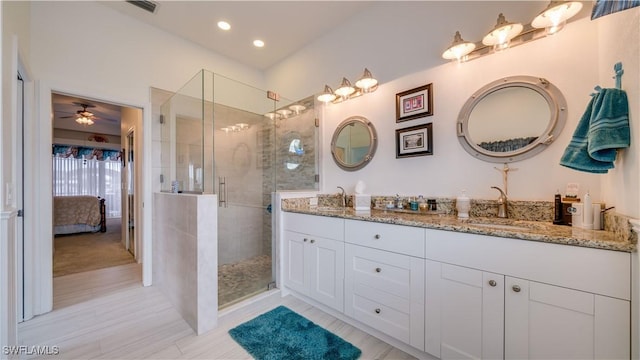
point(609, 126)
point(576, 155)
point(603, 128)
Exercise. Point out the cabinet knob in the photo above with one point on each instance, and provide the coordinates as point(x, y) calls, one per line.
point(312, 241)
point(378, 269)
point(305, 239)
point(492, 283)
point(377, 310)
point(377, 236)
point(516, 288)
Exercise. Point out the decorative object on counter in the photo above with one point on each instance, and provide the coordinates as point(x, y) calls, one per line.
point(175, 186)
point(511, 108)
point(558, 219)
point(354, 143)
point(433, 206)
point(602, 130)
point(362, 201)
point(505, 176)
point(414, 103)
point(423, 207)
point(576, 211)
point(413, 203)
point(398, 202)
point(463, 205)
point(414, 141)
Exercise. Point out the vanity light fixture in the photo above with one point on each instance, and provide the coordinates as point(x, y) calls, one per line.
point(555, 16)
point(327, 95)
point(345, 89)
point(284, 112)
point(273, 116)
point(459, 48)
point(297, 108)
point(506, 34)
point(365, 84)
point(500, 36)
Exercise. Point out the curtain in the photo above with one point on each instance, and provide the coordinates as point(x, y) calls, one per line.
point(73, 176)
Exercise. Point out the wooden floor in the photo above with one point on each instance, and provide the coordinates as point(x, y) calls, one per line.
point(108, 314)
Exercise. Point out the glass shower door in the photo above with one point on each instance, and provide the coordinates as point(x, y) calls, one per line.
point(244, 185)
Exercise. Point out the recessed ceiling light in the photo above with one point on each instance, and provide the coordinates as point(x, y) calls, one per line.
point(224, 25)
point(258, 43)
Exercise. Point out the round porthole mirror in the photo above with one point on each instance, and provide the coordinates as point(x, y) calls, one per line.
point(354, 143)
point(511, 119)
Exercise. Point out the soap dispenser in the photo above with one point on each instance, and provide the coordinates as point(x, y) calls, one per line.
point(463, 205)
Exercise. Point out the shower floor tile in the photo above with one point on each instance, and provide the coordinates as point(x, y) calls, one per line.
point(243, 279)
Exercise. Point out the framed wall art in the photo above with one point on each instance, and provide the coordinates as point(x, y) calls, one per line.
point(414, 103)
point(414, 141)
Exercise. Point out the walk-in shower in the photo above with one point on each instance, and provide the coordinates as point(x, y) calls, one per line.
point(222, 137)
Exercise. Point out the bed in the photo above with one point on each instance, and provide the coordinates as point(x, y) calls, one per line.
point(78, 214)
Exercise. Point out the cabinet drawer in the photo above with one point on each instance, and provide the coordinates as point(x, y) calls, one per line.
point(396, 238)
point(386, 319)
point(321, 226)
point(380, 270)
point(596, 271)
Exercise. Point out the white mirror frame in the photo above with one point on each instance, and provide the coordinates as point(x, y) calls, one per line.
point(557, 110)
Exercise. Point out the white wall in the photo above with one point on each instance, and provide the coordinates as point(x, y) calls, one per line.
point(619, 41)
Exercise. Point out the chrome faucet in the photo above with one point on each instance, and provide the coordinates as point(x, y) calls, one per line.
point(344, 196)
point(502, 203)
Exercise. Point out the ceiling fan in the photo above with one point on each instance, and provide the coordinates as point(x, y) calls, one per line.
point(83, 117)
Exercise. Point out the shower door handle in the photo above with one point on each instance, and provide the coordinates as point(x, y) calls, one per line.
point(222, 191)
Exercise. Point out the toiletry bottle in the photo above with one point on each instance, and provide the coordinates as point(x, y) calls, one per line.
point(463, 205)
point(398, 202)
point(414, 204)
point(587, 212)
point(422, 204)
point(557, 209)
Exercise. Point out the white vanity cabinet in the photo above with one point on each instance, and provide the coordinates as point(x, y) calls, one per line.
point(464, 312)
point(544, 300)
point(384, 279)
point(544, 321)
point(314, 258)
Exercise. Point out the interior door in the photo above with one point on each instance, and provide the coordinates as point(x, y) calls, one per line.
point(130, 243)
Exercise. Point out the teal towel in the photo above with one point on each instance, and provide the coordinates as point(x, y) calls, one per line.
point(609, 126)
point(603, 128)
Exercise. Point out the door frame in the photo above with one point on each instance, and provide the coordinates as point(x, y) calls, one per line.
point(40, 170)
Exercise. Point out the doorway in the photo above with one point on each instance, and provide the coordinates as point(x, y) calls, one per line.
point(93, 169)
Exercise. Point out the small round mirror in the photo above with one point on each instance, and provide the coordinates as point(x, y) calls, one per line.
point(354, 143)
point(511, 119)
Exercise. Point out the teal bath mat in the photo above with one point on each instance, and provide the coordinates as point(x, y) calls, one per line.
point(283, 334)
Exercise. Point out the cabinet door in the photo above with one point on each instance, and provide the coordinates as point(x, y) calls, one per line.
point(544, 321)
point(326, 268)
point(464, 312)
point(296, 276)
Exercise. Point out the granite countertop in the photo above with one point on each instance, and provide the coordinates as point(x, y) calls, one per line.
point(509, 228)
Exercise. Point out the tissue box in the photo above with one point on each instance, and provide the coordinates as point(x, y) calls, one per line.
point(361, 202)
